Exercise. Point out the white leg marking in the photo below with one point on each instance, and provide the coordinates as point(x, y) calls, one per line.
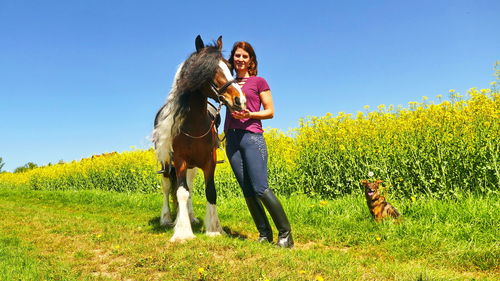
point(212, 223)
point(166, 217)
point(182, 230)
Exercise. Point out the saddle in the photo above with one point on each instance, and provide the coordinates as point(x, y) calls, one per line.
point(212, 112)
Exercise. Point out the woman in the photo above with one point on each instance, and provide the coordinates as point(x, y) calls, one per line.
point(246, 148)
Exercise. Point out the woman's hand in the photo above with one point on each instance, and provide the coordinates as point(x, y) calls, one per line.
point(243, 114)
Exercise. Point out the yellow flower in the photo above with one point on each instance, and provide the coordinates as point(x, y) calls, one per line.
point(323, 203)
point(452, 91)
point(319, 278)
point(413, 198)
point(201, 270)
point(378, 238)
point(302, 272)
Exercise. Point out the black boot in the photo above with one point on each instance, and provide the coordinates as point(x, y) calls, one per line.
point(276, 211)
point(259, 217)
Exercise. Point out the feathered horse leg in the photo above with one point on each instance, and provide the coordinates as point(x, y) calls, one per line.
point(168, 182)
point(182, 229)
point(191, 174)
point(212, 222)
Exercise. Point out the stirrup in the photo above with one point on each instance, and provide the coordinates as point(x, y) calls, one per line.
point(222, 149)
point(163, 172)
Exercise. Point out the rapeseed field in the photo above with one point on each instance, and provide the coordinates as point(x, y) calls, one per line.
point(446, 148)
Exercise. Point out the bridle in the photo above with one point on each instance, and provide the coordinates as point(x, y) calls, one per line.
point(219, 93)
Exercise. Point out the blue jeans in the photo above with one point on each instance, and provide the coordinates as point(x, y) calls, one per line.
point(247, 154)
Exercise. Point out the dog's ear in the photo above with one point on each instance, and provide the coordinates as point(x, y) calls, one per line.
point(364, 182)
point(379, 181)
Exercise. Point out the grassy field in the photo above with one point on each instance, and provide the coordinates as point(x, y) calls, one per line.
point(98, 218)
point(103, 235)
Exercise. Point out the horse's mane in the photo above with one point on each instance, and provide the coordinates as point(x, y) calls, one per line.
point(191, 75)
point(198, 69)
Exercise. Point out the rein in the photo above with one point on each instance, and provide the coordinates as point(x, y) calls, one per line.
point(222, 89)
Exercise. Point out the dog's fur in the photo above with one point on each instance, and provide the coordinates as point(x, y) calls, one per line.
point(379, 208)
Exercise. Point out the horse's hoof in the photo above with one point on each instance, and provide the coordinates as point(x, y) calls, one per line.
point(176, 239)
point(167, 223)
point(213, 234)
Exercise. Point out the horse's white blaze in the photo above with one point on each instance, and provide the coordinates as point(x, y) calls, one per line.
point(191, 173)
point(212, 223)
point(166, 218)
point(229, 77)
point(182, 230)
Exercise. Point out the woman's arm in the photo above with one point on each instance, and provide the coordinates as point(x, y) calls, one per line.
point(267, 113)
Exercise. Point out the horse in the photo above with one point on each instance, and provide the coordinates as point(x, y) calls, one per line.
point(185, 136)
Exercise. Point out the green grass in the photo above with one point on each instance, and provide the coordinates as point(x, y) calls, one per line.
point(97, 235)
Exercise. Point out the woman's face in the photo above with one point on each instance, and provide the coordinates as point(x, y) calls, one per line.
point(241, 60)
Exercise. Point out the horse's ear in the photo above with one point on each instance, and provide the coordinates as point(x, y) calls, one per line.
point(219, 42)
point(199, 43)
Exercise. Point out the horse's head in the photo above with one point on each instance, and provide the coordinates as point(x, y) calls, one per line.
point(222, 86)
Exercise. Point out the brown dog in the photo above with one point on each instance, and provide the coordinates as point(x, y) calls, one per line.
point(379, 208)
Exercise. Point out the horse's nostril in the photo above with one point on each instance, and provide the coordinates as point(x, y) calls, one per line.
point(237, 101)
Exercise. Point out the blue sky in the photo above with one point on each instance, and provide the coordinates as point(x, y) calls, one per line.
point(79, 78)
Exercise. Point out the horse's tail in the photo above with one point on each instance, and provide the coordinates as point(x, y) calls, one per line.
point(158, 114)
point(162, 137)
point(164, 130)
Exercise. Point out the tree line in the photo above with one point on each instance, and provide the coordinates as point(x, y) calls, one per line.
point(23, 168)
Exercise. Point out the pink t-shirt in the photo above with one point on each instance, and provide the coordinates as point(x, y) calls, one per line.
point(252, 88)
